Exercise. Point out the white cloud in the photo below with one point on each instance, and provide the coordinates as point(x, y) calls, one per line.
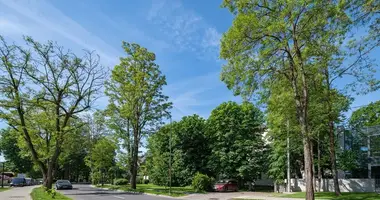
point(42, 20)
point(186, 29)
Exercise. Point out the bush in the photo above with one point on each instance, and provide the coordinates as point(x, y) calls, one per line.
point(121, 181)
point(201, 182)
point(50, 192)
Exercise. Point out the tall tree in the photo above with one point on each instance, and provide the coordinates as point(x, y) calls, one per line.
point(43, 89)
point(135, 94)
point(271, 38)
point(235, 135)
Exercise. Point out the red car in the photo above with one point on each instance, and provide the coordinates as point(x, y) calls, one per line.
point(226, 185)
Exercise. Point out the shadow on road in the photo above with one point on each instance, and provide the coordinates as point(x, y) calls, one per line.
point(92, 192)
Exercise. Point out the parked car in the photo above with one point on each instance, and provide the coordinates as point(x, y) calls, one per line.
point(63, 184)
point(28, 181)
point(18, 182)
point(226, 185)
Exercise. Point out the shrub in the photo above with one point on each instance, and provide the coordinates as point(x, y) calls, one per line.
point(50, 192)
point(121, 181)
point(201, 182)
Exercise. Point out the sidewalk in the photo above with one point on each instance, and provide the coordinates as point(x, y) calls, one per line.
point(235, 195)
point(18, 193)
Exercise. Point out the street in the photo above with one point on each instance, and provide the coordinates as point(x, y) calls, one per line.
point(86, 192)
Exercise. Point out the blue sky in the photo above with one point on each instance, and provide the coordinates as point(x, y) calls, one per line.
point(184, 35)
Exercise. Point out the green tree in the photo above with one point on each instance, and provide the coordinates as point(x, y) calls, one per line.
point(16, 160)
point(135, 94)
point(43, 89)
point(366, 116)
point(72, 165)
point(102, 156)
point(237, 148)
point(281, 38)
point(189, 144)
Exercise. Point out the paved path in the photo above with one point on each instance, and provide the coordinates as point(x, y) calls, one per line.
point(234, 195)
point(86, 192)
point(18, 193)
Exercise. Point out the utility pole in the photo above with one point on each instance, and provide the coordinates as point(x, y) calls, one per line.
point(170, 157)
point(288, 159)
point(2, 177)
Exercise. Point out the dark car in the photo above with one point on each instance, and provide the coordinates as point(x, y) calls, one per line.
point(63, 184)
point(18, 182)
point(226, 185)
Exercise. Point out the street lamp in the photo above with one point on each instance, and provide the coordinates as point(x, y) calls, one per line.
point(2, 160)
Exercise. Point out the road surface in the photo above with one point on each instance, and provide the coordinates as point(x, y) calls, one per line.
point(86, 192)
point(17, 193)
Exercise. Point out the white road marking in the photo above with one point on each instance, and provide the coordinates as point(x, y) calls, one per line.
point(118, 197)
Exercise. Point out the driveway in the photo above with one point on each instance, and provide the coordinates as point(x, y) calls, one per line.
point(86, 192)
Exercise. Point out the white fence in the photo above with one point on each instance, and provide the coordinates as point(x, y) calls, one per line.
point(345, 185)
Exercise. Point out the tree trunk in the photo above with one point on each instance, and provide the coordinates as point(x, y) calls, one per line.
point(135, 158)
point(332, 136)
point(308, 169)
point(314, 180)
point(333, 159)
point(319, 165)
point(48, 176)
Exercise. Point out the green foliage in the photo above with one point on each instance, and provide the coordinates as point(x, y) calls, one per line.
point(136, 98)
point(102, 154)
point(51, 192)
point(366, 116)
point(41, 194)
point(201, 183)
point(235, 133)
point(121, 181)
point(189, 143)
point(45, 88)
point(17, 161)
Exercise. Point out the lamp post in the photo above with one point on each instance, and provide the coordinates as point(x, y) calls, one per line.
point(288, 159)
point(2, 160)
point(170, 157)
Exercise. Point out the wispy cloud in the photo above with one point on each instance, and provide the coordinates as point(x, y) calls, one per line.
point(42, 20)
point(186, 29)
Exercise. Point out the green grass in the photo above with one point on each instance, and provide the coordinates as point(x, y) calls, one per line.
point(331, 195)
point(4, 189)
point(40, 194)
point(153, 189)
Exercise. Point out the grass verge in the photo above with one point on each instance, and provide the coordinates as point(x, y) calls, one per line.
point(4, 189)
point(153, 189)
point(331, 195)
point(40, 194)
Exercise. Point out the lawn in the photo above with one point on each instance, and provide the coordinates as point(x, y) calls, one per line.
point(40, 194)
point(154, 189)
point(331, 195)
point(4, 189)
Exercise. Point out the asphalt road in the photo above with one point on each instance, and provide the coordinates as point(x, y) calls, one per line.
point(86, 192)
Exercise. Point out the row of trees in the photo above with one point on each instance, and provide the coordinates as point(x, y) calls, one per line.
point(293, 52)
point(46, 92)
point(229, 144)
